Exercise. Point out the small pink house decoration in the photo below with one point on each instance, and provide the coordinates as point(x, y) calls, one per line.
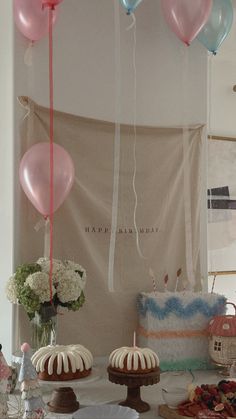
point(222, 338)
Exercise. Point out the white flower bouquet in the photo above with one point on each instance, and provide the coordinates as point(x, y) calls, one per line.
point(30, 287)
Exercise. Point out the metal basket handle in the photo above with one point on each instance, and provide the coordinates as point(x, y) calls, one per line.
point(232, 304)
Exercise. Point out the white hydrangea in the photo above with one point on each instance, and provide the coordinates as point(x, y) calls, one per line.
point(76, 267)
point(70, 273)
point(57, 267)
point(68, 288)
point(39, 283)
point(11, 290)
point(73, 265)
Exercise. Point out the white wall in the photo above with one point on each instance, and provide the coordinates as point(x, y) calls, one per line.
point(223, 98)
point(222, 78)
point(6, 170)
point(222, 113)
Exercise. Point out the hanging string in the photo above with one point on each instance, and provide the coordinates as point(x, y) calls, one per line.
point(116, 150)
point(46, 253)
point(133, 22)
point(51, 217)
point(187, 186)
point(28, 60)
point(28, 56)
point(210, 56)
point(210, 212)
point(133, 25)
point(26, 108)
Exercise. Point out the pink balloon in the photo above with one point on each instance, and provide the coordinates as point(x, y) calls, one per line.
point(34, 176)
point(186, 18)
point(32, 19)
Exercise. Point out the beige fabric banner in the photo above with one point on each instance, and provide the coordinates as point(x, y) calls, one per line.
point(83, 223)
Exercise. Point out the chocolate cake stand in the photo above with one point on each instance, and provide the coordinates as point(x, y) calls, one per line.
point(133, 383)
point(63, 399)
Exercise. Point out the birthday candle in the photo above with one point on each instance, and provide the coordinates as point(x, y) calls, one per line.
point(166, 279)
point(134, 340)
point(177, 278)
point(213, 284)
point(151, 273)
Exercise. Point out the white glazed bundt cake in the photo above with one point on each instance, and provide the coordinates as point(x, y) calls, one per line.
point(133, 360)
point(61, 363)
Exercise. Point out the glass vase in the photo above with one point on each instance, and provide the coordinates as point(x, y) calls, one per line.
point(44, 328)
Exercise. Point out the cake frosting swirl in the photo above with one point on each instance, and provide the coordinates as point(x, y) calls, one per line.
point(62, 362)
point(133, 359)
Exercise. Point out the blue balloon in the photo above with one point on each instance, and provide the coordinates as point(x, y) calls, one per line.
point(218, 25)
point(130, 5)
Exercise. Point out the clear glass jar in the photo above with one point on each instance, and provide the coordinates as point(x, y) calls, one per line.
point(44, 327)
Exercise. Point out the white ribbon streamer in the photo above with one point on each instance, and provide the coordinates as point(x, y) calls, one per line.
point(133, 25)
point(187, 188)
point(116, 150)
point(46, 252)
point(46, 224)
point(39, 224)
point(28, 56)
point(133, 22)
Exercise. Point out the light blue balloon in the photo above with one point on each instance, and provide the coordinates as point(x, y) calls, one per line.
point(218, 25)
point(130, 5)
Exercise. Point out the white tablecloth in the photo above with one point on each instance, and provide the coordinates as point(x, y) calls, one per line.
point(100, 391)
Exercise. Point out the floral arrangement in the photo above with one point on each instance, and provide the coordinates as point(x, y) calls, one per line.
point(30, 286)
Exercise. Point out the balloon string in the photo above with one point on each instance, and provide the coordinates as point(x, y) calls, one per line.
point(186, 177)
point(133, 22)
point(46, 254)
point(51, 148)
point(210, 256)
point(133, 25)
point(28, 56)
point(116, 170)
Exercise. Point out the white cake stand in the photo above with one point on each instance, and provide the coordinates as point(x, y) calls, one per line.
point(63, 392)
point(94, 376)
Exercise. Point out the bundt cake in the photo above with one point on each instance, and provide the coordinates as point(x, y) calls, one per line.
point(133, 360)
point(61, 363)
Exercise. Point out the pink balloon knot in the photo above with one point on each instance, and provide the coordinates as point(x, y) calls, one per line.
point(51, 3)
point(50, 6)
point(25, 347)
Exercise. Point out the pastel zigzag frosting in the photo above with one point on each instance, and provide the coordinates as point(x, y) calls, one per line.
point(69, 357)
point(174, 305)
point(133, 358)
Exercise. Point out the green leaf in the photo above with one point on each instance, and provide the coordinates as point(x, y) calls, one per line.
point(23, 271)
point(29, 300)
point(75, 305)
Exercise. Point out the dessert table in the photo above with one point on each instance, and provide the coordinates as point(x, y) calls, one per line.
point(100, 390)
